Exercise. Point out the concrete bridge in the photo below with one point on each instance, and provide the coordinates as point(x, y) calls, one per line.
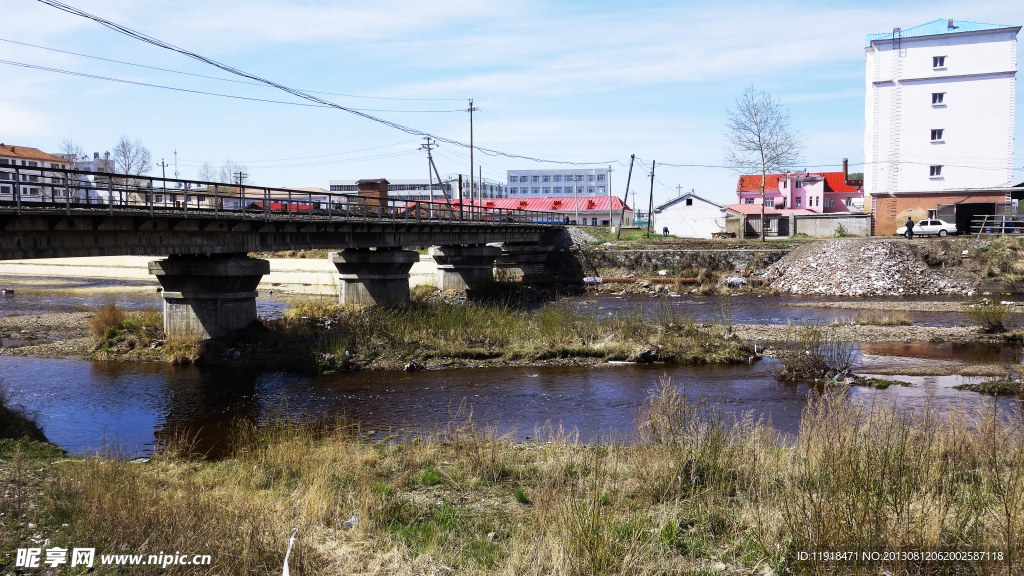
point(207, 229)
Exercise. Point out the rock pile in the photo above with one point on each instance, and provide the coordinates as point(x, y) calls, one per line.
point(572, 236)
point(875, 268)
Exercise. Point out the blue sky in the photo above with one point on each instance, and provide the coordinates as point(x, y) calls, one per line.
point(572, 81)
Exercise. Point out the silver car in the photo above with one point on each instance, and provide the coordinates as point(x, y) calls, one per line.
point(930, 227)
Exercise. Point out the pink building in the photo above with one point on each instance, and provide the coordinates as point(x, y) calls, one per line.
point(802, 192)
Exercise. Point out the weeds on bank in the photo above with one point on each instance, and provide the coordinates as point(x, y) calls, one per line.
point(698, 486)
point(989, 314)
point(119, 328)
point(879, 318)
point(420, 331)
point(812, 351)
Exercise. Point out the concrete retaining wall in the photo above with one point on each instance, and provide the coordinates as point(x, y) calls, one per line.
point(679, 262)
point(826, 225)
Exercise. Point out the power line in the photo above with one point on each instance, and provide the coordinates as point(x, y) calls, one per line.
point(220, 79)
point(294, 92)
point(107, 78)
point(308, 157)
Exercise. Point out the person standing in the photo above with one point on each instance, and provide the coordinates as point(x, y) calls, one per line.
point(910, 228)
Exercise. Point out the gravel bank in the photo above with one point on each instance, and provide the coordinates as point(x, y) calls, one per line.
point(924, 306)
point(57, 334)
point(769, 333)
point(942, 370)
point(880, 268)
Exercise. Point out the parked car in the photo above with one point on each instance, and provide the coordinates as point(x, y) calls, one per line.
point(930, 227)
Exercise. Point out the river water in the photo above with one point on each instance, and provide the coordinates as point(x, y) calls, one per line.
point(84, 406)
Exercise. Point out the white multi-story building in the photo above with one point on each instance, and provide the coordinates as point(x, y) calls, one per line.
point(939, 107)
point(420, 189)
point(22, 171)
point(559, 182)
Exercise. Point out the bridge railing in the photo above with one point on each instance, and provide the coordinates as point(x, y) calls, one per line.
point(70, 191)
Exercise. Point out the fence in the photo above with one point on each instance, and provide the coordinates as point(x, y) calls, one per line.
point(70, 191)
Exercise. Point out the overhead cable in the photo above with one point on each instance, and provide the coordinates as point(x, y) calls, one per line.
point(294, 92)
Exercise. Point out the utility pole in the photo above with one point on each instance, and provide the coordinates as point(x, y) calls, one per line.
point(460, 198)
point(625, 197)
point(430, 176)
point(471, 109)
point(176, 175)
point(650, 205)
point(480, 180)
point(576, 197)
point(679, 190)
point(241, 176)
point(163, 169)
point(609, 185)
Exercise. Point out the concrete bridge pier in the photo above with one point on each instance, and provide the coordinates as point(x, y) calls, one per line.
point(208, 296)
point(378, 276)
point(523, 260)
point(460, 267)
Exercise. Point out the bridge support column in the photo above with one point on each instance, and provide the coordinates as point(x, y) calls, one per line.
point(373, 276)
point(523, 260)
point(208, 296)
point(460, 267)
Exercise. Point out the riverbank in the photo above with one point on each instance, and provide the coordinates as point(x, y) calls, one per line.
point(697, 491)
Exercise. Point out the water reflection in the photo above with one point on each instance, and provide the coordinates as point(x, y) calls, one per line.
point(82, 402)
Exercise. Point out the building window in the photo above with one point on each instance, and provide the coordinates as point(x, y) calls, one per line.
point(547, 190)
point(558, 189)
point(768, 202)
point(689, 201)
point(938, 61)
point(938, 97)
point(556, 178)
point(830, 202)
point(798, 184)
point(748, 200)
point(590, 177)
point(798, 201)
point(935, 171)
point(590, 190)
point(514, 190)
point(849, 201)
point(546, 179)
point(600, 190)
point(536, 190)
point(32, 164)
point(600, 177)
point(5, 189)
point(593, 221)
point(513, 179)
point(536, 178)
point(5, 176)
point(4, 161)
point(159, 198)
point(937, 135)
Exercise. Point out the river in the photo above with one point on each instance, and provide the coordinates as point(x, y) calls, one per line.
point(88, 406)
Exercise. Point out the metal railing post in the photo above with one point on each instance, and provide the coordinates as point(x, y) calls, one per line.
point(67, 196)
point(216, 201)
point(110, 194)
point(17, 188)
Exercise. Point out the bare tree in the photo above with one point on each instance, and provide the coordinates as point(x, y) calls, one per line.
point(73, 153)
point(132, 158)
point(207, 173)
point(230, 172)
point(760, 139)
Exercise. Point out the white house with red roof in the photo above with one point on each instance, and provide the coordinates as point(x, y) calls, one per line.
point(803, 192)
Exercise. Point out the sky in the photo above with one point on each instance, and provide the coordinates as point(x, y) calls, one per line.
point(579, 82)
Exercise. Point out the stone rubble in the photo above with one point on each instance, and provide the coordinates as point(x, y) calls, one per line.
point(573, 236)
point(880, 268)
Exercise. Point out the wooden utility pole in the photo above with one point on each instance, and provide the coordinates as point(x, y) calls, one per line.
point(611, 222)
point(650, 204)
point(625, 197)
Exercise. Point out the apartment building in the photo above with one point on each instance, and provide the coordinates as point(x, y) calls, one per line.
point(592, 182)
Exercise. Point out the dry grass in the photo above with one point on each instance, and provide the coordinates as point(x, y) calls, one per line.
point(182, 351)
point(697, 487)
point(390, 336)
point(875, 317)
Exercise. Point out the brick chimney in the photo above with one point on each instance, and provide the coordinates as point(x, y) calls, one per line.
point(375, 188)
point(846, 170)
